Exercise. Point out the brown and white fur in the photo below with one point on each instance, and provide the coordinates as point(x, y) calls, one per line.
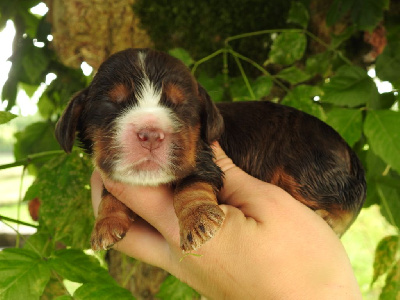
point(146, 121)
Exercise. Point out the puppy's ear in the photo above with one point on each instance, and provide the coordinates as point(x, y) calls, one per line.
point(212, 123)
point(67, 125)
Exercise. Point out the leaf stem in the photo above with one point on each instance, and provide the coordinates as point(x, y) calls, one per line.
point(31, 158)
point(4, 218)
point(261, 32)
point(204, 59)
point(260, 68)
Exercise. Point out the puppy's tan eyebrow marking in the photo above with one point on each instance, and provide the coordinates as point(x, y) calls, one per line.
point(119, 93)
point(174, 93)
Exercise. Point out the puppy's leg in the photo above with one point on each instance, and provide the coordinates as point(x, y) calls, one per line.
point(112, 223)
point(198, 213)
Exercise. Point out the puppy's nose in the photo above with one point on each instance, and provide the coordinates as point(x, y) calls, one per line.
point(151, 138)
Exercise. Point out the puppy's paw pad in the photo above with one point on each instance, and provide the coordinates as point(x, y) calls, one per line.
point(107, 231)
point(199, 225)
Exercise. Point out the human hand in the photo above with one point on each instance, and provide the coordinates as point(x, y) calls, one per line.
point(269, 247)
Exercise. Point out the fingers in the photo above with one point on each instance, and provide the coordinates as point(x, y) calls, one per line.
point(96, 184)
point(145, 243)
point(153, 204)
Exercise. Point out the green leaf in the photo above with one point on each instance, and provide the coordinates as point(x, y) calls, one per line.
point(9, 91)
point(347, 122)
point(35, 63)
point(261, 86)
point(182, 55)
point(301, 97)
point(318, 63)
point(391, 290)
point(287, 48)
point(95, 291)
point(298, 14)
point(75, 265)
point(388, 63)
point(382, 130)
point(350, 86)
point(6, 117)
point(28, 88)
point(35, 138)
point(40, 241)
point(337, 10)
point(239, 90)
point(385, 255)
point(213, 85)
point(366, 14)
point(293, 75)
point(338, 39)
point(55, 289)
point(62, 185)
point(390, 203)
point(385, 101)
point(174, 289)
point(375, 167)
point(23, 274)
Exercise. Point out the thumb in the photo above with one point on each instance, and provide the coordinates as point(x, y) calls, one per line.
point(242, 190)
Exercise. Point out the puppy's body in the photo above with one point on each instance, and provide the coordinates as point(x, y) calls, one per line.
point(146, 120)
point(297, 152)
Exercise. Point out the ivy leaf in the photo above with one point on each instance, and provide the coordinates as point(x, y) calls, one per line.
point(104, 291)
point(347, 122)
point(287, 48)
point(23, 274)
point(174, 289)
point(388, 63)
point(6, 117)
point(293, 75)
point(382, 130)
point(298, 14)
point(391, 290)
point(385, 255)
point(75, 265)
point(350, 86)
point(62, 185)
point(301, 97)
point(182, 55)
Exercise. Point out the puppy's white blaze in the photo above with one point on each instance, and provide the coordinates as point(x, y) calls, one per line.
point(148, 96)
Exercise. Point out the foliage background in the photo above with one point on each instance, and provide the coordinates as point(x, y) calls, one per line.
point(313, 55)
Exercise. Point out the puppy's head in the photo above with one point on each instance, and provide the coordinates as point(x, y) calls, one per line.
point(142, 118)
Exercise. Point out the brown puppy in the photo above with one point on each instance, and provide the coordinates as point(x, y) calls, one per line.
point(145, 120)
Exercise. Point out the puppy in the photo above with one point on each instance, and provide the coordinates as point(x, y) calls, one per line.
point(146, 121)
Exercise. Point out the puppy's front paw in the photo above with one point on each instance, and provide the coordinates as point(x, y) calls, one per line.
point(109, 230)
point(199, 224)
